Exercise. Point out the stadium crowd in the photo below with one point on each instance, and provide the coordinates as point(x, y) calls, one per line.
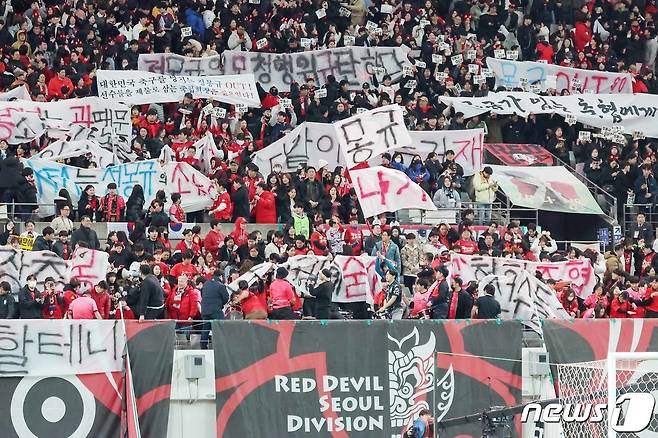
point(54, 49)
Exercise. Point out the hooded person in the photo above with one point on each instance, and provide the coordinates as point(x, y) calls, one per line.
point(240, 234)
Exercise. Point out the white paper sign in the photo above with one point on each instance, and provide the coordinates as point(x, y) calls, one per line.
point(321, 13)
point(457, 59)
point(186, 32)
point(386, 9)
point(139, 87)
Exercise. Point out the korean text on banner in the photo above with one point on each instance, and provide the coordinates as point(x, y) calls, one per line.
point(630, 112)
point(311, 142)
point(50, 177)
point(579, 271)
point(509, 74)
point(37, 347)
point(89, 266)
point(178, 65)
point(372, 133)
point(194, 187)
point(353, 64)
point(140, 87)
point(381, 190)
point(17, 265)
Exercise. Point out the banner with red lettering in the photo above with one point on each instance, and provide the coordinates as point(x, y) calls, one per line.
point(89, 266)
point(381, 189)
point(195, 188)
point(579, 271)
point(518, 154)
point(517, 74)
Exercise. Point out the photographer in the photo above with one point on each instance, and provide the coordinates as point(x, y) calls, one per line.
point(151, 296)
point(422, 426)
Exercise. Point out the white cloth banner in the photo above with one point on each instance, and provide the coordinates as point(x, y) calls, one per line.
point(354, 278)
point(178, 65)
point(371, 133)
point(311, 142)
point(628, 112)
point(579, 271)
point(18, 93)
point(89, 266)
point(139, 87)
point(113, 142)
point(50, 177)
point(354, 64)
point(17, 265)
point(381, 189)
point(62, 149)
point(61, 347)
point(195, 188)
point(106, 116)
point(512, 74)
point(523, 297)
point(206, 150)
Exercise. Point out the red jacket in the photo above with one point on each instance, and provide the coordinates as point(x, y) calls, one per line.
point(102, 302)
point(619, 310)
point(152, 128)
point(582, 36)
point(213, 241)
point(183, 305)
point(182, 247)
point(265, 209)
point(226, 213)
point(468, 247)
point(55, 87)
point(545, 52)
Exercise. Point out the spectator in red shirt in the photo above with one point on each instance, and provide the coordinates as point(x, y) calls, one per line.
point(151, 123)
point(60, 86)
point(187, 243)
point(214, 239)
point(113, 205)
point(52, 301)
point(621, 307)
point(466, 244)
point(183, 302)
point(582, 34)
point(99, 294)
point(570, 303)
point(184, 267)
point(252, 301)
point(282, 296)
point(222, 207)
point(176, 212)
point(264, 209)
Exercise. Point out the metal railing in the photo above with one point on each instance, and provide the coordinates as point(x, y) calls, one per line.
point(630, 215)
point(500, 212)
point(25, 210)
point(606, 201)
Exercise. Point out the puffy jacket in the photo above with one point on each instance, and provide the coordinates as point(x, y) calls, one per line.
point(265, 209)
point(195, 21)
point(183, 305)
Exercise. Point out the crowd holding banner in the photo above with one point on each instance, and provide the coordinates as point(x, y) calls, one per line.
point(348, 118)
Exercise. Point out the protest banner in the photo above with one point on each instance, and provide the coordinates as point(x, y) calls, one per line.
point(551, 188)
point(18, 93)
point(90, 112)
point(89, 266)
point(194, 187)
point(50, 177)
point(367, 135)
point(178, 65)
point(467, 144)
point(311, 142)
point(37, 347)
point(381, 190)
point(139, 87)
point(525, 298)
point(630, 112)
point(353, 64)
point(519, 154)
point(107, 138)
point(17, 265)
point(579, 271)
point(206, 150)
point(16, 128)
point(510, 74)
point(354, 277)
point(63, 149)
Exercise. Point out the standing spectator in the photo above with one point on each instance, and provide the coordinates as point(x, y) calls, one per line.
point(113, 205)
point(641, 230)
point(410, 255)
point(84, 307)
point(89, 204)
point(486, 306)
point(52, 301)
point(8, 308)
point(183, 304)
point(99, 293)
point(646, 188)
point(29, 300)
point(135, 204)
point(151, 296)
point(322, 295)
point(222, 207)
point(60, 87)
point(240, 200)
point(393, 297)
point(388, 250)
point(214, 297)
point(264, 210)
point(282, 296)
point(62, 222)
point(439, 294)
point(176, 213)
point(485, 193)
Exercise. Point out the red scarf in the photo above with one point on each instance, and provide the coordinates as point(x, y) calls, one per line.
point(452, 312)
point(112, 210)
point(65, 251)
